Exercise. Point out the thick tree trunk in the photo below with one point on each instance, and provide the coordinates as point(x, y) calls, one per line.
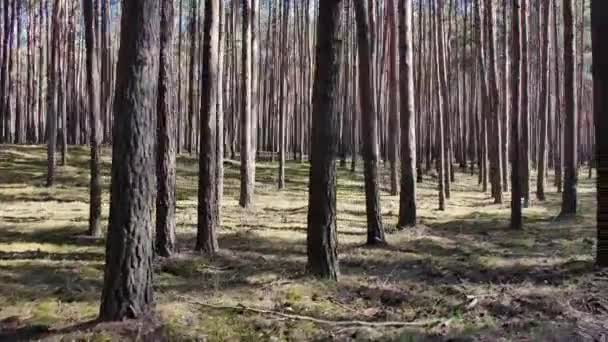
point(166, 130)
point(599, 31)
point(322, 227)
point(208, 206)
point(407, 199)
point(127, 290)
point(569, 196)
point(369, 122)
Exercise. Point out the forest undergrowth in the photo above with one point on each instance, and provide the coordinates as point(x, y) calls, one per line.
point(461, 274)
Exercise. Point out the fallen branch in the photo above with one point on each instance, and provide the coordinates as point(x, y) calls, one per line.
point(241, 307)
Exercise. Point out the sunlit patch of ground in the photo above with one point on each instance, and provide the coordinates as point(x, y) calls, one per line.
point(460, 273)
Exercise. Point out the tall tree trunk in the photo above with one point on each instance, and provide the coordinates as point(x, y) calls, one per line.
point(507, 110)
point(495, 126)
point(208, 206)
point(95, 136)
point(179, 128)
point(599, 32)
point(407, 199)
point(322, 227)
point(165, 155)
point(393, 125)
point(369, 122)
point(190, 138)
point(524, 105)
point(543, 105)
point(441, 105)
point(247, 152)
point(283, 105)
point(557, 104)
point(51, 96)
point(127, 290)
point(569, 196)
point(516, 47)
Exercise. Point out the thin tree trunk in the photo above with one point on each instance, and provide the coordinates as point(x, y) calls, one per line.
point(569, 196)
point(516, 37)
point(543, 105)
point(247, 152)
point(93, 100)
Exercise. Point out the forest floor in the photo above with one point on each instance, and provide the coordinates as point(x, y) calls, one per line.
point(460, 275)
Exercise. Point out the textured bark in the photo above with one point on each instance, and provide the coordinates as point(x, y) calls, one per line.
point(543, 101)
point(369, 124)
point(599, 31)
point(516, 215)
point(166, 130)
point(407, 199)
point(208, 205)
point(569, 196)
point(127, 290)
point(322, 227)
point(247, 152)
point(94, 122)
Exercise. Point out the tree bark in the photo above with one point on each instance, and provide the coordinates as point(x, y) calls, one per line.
point(127, 290)
point(94, 122)
point(208, 205)
point(441, 106)
point(166, 130)
point(247, 152)
point(524, 169)
point(569, 196)
point(516, 47)
point(369, 122)
point(543, 105)
point(51, 96)
point(393, 126)
point(322, 226)
point(407, 199)
point(599, 31)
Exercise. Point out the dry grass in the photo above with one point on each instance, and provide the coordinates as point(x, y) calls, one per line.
point(462, 267)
